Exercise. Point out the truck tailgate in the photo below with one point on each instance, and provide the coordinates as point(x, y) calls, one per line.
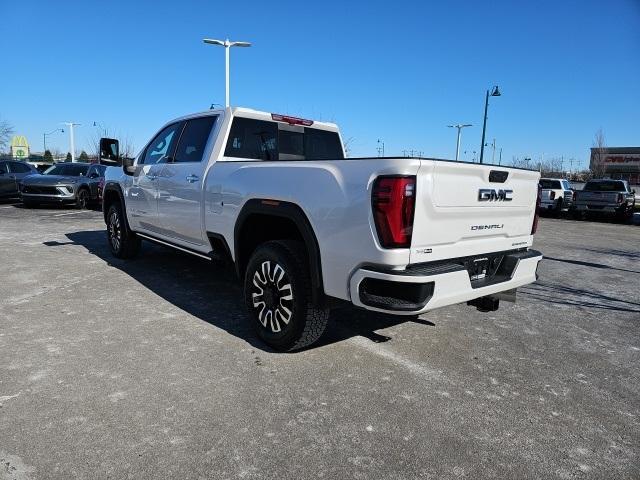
point(595, 199)
point(468, 209)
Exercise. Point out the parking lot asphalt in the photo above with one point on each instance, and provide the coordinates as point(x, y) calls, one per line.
point(148, 369)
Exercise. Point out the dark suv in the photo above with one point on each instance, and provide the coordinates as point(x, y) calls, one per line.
point(11, 174)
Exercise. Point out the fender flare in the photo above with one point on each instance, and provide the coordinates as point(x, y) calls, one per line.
point(292, 212)
point(114, 187)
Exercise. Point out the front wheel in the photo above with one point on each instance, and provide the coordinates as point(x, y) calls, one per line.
point(277, 290)
point(123, 243)
point(82, 198)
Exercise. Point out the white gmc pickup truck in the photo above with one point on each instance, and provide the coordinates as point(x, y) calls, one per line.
point(308, 229)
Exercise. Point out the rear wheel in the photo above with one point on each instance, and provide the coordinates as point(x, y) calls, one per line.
point(123, 242)
point(558, 208)
point(277, 290)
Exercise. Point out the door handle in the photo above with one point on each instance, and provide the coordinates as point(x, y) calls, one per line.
point(192, 178)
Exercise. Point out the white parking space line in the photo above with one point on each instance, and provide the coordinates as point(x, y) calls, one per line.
point(10, 205)
point(68, 213)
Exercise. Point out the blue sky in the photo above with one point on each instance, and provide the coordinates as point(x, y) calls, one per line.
point(398, 71)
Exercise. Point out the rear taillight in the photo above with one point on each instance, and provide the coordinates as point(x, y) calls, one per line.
point(393, 203)
point(552, 195)
point(534, 227)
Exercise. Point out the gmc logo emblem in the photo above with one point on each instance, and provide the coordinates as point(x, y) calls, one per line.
point(490, 195)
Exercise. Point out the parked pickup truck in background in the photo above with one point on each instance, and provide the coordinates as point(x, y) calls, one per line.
point(308, 229)
point(556, 194)
point(613, 197)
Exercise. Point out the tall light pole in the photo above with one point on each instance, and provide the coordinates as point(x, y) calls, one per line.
point(459, 127)
point(380, 147)
point(45, 135)
point(227, 45)
point(494, 93)
point(493, 154)
point(72, 144)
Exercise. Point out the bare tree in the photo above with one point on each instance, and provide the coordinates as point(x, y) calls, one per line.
point(598, 154)
point(6, 130)
point(347, 146)
point(127, 149)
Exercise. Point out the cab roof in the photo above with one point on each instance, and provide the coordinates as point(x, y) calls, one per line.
point(266, 116)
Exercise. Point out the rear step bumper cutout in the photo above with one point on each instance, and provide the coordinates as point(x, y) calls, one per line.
point(423, 287)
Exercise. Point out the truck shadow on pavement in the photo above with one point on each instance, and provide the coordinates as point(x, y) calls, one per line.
point(577, 297)
point(589, 264)
point(213, 293)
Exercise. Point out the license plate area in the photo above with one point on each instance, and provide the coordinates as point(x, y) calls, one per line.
point(483, 268)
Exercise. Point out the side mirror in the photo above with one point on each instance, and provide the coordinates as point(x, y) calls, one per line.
point(94, 175)
point(110, 152)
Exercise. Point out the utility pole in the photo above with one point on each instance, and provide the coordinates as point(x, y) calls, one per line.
point(227, 44)
point(380, 148)
point(495, 93)
point(459, 127)
point(493, 154)
point(71, 139)
point(500, 161)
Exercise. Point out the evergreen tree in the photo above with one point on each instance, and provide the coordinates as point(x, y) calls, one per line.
point(48, 157)
point(83, 156)
point(68, 159)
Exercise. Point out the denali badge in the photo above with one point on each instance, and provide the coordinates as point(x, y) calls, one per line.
point(486, 227)
point(489, 194)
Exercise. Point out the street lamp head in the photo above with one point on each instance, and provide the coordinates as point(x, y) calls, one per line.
point(495, 92)
point(213, 41)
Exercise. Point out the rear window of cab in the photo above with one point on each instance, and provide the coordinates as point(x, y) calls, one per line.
point(265, 140)
point(550, 184)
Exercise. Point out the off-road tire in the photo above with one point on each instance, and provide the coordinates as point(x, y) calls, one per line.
point(123, 243)
point(277, 270)
point(558, 208)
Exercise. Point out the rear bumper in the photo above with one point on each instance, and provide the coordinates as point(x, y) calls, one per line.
point(607, 208)
point(423, 289)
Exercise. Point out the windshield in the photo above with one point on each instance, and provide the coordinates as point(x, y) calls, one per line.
point(605, 186)
point(68, 170)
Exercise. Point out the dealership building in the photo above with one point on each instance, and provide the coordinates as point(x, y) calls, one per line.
point(619, 162)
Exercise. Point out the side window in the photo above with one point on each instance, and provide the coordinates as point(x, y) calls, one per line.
point(256, 139)
point(162, 145)
point(3, 168)
point(194, 139)
point(19, 167)
point(92, 173)
point(322, 145)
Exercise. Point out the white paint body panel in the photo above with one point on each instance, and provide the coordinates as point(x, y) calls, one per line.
point(336, 198)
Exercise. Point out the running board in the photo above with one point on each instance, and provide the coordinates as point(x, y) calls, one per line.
point(209, 256)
